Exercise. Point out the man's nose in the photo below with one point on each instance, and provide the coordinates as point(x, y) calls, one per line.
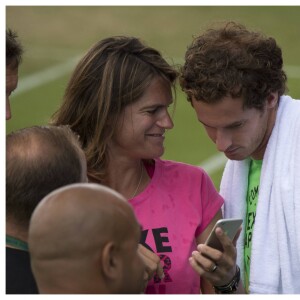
point(8, 111)
point(223, 140)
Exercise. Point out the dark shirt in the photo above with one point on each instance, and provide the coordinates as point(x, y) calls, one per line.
point(19, 277)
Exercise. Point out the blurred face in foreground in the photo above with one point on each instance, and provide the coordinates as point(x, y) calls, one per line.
point(83, 239)
point(11, 85)
point(132, 279)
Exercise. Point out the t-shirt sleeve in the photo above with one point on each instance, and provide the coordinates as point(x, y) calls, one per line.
point(211, 202)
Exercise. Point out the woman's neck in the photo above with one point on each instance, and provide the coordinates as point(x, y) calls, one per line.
point(129, 179)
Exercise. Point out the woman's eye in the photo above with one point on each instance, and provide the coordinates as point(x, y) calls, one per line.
point(238, 125)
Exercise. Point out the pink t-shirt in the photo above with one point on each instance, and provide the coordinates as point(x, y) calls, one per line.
point(177, 205)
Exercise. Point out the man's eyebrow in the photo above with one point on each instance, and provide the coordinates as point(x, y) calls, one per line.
point(236, 123)
point(205, 124)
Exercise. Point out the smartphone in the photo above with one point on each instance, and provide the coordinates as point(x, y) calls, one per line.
point(229, 226)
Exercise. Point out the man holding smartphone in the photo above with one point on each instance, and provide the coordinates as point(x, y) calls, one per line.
point(235, 81)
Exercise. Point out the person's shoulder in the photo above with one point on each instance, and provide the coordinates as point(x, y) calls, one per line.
point(288, 102)
point(180, 166)
point(296, 104)
point(290, 110)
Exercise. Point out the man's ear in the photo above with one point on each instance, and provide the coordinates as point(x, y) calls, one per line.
point(272, 100)
point(111, 261)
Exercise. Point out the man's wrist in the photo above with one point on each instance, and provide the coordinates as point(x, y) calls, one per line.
point(232, 286)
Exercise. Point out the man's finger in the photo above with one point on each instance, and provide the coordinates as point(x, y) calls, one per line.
point(152, 262)
point(237, 236)
point(147, 253)
point(160, 272)
point(224, 239)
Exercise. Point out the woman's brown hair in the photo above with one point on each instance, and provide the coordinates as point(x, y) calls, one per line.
point(114, 73)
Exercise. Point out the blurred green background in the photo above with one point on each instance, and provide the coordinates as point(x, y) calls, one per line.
point(55, 37)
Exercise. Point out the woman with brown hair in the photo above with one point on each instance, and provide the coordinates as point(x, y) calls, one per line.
point(117, 102)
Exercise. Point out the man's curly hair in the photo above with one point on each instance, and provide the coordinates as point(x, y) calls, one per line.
point(233, 61)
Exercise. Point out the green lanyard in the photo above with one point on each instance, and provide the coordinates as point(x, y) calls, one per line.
point(11, 241)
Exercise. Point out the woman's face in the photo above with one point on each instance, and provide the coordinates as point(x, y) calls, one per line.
point(140, 132)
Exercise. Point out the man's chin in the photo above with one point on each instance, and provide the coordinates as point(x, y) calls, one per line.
point(235, 156)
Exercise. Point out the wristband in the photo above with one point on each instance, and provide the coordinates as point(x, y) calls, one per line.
point(232, 286)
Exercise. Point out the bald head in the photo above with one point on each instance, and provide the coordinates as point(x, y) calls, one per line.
point(73, 234)
point(85, 215)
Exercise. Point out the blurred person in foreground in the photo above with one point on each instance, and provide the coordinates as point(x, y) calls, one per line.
point(84, 239)
point(235, 81)
point(14, 51)
point(117, 101)
point(38, 160)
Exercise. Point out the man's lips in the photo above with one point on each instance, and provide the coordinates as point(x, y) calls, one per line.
point(230, 151)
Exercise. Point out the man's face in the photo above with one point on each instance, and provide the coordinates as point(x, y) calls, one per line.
point(11, 85)
point(133, 265)
point(238, 132)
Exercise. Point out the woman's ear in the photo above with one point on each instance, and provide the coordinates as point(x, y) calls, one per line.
point(111, 261)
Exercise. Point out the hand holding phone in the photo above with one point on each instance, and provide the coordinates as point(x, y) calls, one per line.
point(229, 226)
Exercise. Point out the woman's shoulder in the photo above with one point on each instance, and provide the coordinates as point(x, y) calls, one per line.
point(171, 166)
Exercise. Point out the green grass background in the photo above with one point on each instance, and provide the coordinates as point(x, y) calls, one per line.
point(52, 35)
